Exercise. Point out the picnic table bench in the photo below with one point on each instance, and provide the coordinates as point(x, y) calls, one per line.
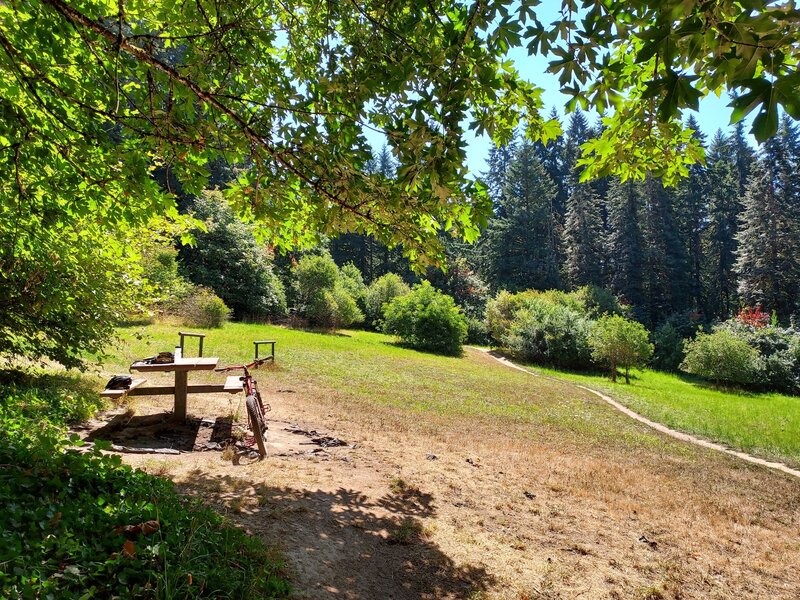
point(181, 367)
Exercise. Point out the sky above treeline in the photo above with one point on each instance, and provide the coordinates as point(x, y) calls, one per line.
point(714, 112)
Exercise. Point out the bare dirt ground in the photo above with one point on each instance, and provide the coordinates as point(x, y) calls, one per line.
point(426, 506)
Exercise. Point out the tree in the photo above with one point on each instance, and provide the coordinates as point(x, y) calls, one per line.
point(228, 259)
point(583, 238)
point(769, 234)
point(620, 342)
point(323, 293)
point(666, 285)
point(719, 238)
point(625, 243)
point(521, 247)
point(690, 212)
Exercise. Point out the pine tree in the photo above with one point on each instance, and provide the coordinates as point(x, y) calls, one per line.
point(719, 237)
point(500, 158)
point(666, 288)
point(625, 243)
point(520, 248)
point(583, 237)
point(690, 212)
point(552, 158)
point(769, 235)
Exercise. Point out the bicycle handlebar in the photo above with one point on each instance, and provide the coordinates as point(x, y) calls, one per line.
point(253, 365)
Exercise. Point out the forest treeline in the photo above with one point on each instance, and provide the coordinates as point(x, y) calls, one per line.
point(727, 236)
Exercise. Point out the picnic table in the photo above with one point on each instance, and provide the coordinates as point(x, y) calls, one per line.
point(181, 367)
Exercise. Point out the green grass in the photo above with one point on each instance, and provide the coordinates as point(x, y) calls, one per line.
point(366, 371)
point(765, 424)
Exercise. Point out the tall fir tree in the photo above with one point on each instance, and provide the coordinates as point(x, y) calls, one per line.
point(719, 237)
point(583, 224)
point(666, 287)
point(769, 236)
point(690, 212)
point(552, 158)
point(499, 160)
point(583, 238)
point(520, 248)
point(625, 244)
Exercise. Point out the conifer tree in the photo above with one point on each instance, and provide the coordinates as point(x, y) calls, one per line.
point(719, 237)
point(520, 248)
point(625, 243)
point(690, 212)
point(769, 236)
point(583, 238)
point(552, 158)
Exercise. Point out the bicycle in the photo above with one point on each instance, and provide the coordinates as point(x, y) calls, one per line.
point(256, 409)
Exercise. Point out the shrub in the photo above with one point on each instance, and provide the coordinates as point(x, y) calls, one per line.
point(427, 320)
point(353, 283)
point(779, 349)
point(619, 342)
point(546, 332)
point(501, 312)
point(324, 294)
point(204, 309)
point(477, 332)
point(461, 282)
point(668, 342)
point(228, 259)
point(722, 358)
point(597, 302)
point(382, 291)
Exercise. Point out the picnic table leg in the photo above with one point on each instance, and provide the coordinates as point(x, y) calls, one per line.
point(180, 395)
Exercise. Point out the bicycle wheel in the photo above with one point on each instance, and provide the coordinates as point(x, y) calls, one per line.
point(257, 423)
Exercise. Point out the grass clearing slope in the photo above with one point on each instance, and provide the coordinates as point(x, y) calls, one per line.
point(538, 489)
point(763, 424)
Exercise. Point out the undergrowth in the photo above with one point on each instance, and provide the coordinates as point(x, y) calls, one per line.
point(84, 525)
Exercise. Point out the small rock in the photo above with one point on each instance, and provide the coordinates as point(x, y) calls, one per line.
point(431, 457)
point(472, 462)
point(529, 495)
point(653, 545)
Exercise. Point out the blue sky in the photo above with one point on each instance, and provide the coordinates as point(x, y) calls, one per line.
point(713, 114)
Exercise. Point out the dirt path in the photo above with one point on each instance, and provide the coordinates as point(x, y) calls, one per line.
point(678, 435)
point(424, 506)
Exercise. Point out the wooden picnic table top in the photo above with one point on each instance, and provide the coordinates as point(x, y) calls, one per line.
point(205, 363)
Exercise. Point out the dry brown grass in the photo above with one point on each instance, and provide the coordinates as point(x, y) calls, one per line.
point(560, 498)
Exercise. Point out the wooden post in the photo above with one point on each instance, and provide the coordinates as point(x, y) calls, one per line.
point(180, 396)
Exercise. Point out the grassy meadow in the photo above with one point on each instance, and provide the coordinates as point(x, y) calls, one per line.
point(765, 424)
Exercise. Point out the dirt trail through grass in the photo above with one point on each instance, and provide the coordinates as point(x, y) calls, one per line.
point(464, 479)
point(678, 435)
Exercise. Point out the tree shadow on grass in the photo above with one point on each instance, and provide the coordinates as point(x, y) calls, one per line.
point(343, 544)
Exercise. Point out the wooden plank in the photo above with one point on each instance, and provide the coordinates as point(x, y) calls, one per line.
point(154, 390)
point(119, 393)
point(180, 396)
point(233, 384)
point(208, 363)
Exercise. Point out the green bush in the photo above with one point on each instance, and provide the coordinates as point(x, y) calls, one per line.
point(619, 342)
point(722, 357)
point(477, 332)
point(780, 352)
point(325, 295)
point(550, 333)
point(501, 312)
point(668, 343)
point(228, 259)
point(352, 281)
point(203, 308)
point(382, 291)
point(426, 319)
point(597, 302)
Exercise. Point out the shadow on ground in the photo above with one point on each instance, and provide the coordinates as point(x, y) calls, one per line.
point(343, 545)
